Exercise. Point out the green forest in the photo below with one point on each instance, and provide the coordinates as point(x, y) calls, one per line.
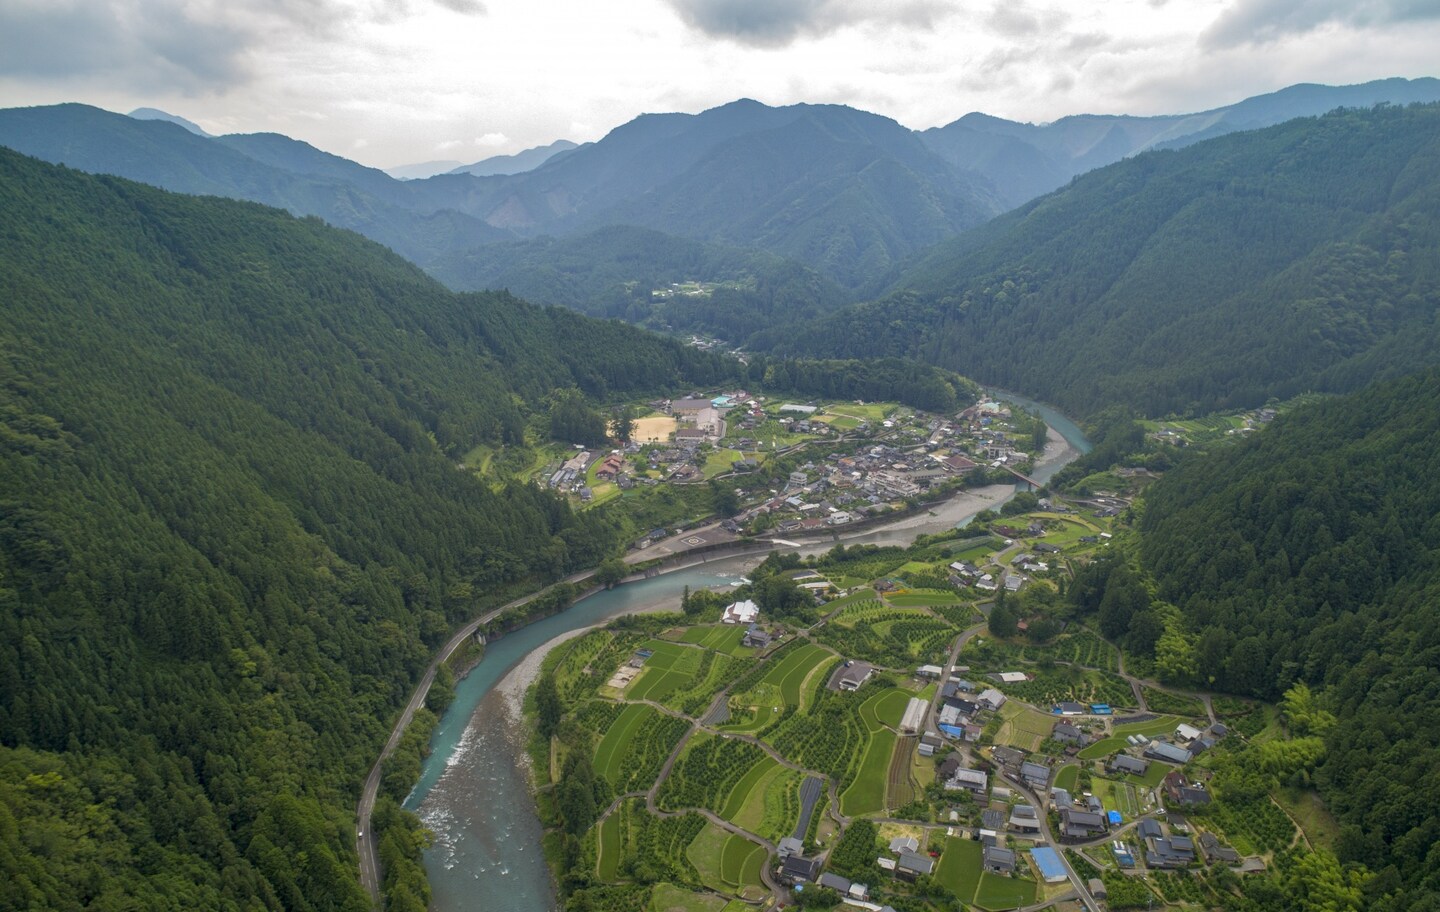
point(1261, 264)
point(232, 529)
point(1305, 563)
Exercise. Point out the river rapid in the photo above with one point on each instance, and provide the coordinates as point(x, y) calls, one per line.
point(474, 790)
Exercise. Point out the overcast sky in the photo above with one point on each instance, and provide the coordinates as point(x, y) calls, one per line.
point(388, 82)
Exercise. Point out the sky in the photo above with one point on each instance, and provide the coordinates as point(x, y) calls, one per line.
point(390, 82)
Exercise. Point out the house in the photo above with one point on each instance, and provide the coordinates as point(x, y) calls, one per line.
point(1185, 732)
point(1066, 733)
point(1216, 852)
point(1068, 709)
point(910, 866)
point(971, 779)
point(755, 638)
point(835, 882)
point(740, 613)
point(689, 406)
point(1162, 851)
point(1014, 582)
point(991, 699)
point(930, 742)
point(1060, 798)
point(1008, 757)
point(947, 767)
point(1036, 775)
point(1013, 677)
point(1124, 763)
point(1170, 753)
point(998, 861)
point(901, 845)
point(861, 892)
point(798, 869)
point(790, 846)
point(691, 436)
point(1177, 791)
point(1097, 889)
point(1023, 819)
point(1082, 824)
point(852, 675)
point(992, 819)
point(929, 671)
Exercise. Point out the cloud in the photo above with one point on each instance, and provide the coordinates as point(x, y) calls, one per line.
point(776, 23)
point(491, 140)
point(463, 7)
point(1261, 21)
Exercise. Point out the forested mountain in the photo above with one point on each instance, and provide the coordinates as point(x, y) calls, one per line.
point(1301, 257)
point(232, 529)
point(266, 168)
point(1311, 553)
point(1024, 160)
point(628, 272)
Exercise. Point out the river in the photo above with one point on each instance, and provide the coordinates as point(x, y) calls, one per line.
point(473, 790)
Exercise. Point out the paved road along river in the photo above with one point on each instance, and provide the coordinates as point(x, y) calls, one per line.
point(473, 791)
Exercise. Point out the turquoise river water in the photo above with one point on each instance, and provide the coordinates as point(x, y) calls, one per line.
point(473, 790)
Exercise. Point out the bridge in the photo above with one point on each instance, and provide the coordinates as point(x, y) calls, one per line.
point(1034, 485)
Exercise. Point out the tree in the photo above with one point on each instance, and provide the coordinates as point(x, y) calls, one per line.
point(622, 426)
point(612, 571)
point(1004, 619)
point(548, 708)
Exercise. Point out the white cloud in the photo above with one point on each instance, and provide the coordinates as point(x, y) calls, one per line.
point(492, 140)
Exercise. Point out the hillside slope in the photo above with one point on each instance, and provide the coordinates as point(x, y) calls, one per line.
point(1305, 256)
point(232, 530)
point(1311, 553)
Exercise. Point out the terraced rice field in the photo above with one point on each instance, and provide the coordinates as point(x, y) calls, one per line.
point(753, 780)
point(790, 673)
point(610, 752)
point(719, 637)
point(1023, 727)
point(727, 863)
point(609, 848)
point(667, 670)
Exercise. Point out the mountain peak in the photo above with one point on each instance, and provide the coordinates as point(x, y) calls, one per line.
point(157, 114)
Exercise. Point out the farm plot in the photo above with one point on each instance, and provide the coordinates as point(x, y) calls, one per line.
point(829, 738)
point(670, 898)
point(1178, 704)
point(1023, 727)
point(771, 806)
point(714, 672)
point(707, 772)
point(897, 638)
point(866, 795)
point(1067, 778)
point(885, 707)
point(923, 598)
point(611, 846)
point(1117, 796)
point(1052, 685)
point(630, 832)
point(863, 609)
point(960, 870)
point(635, 746)
point(670, 667)
point(755, 778)
point(791, 672)
point(727, 863)
point(719, 637)
point(899, 785)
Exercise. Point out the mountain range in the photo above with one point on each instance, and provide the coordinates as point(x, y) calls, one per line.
point(1304, 256)
point(849, 194)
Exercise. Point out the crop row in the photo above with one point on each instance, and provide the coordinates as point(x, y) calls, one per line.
point(1052, 685)
point(896, 640)
point(647, 751)
point(828, 738)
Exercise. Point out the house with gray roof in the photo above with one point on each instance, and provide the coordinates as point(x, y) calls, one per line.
point(998, 861)
point(1170, 753)
point(911, 865)
point(1124, 763)
point(1082, 824)
point(1036, 775)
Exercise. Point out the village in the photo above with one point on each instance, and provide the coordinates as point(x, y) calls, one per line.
point(797, 467)
point(1007, 773)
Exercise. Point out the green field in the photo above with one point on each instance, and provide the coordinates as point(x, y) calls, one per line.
point(789, 673)
point(740, 794)
point(1161, 726)
point(923, 598)
point(725, 862)
point(887, 707)
point(1118, 796)
point(1102, 748)
point(719, 637)
point(670, 898)
point(959, 868)
point(609, 847)
point(1067, 778)
point(866, 795)
point(610, 752)
point(1023, 727)
point(670, 668)
point(996, 892)
point(720, 461)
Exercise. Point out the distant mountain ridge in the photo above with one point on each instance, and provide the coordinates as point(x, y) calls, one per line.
point(157, 114)
point(1024, 160)
point(520, 162)
point(1304, 256)
point(850, 194)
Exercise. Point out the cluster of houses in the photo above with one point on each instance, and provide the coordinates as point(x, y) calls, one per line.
point(962, 715)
